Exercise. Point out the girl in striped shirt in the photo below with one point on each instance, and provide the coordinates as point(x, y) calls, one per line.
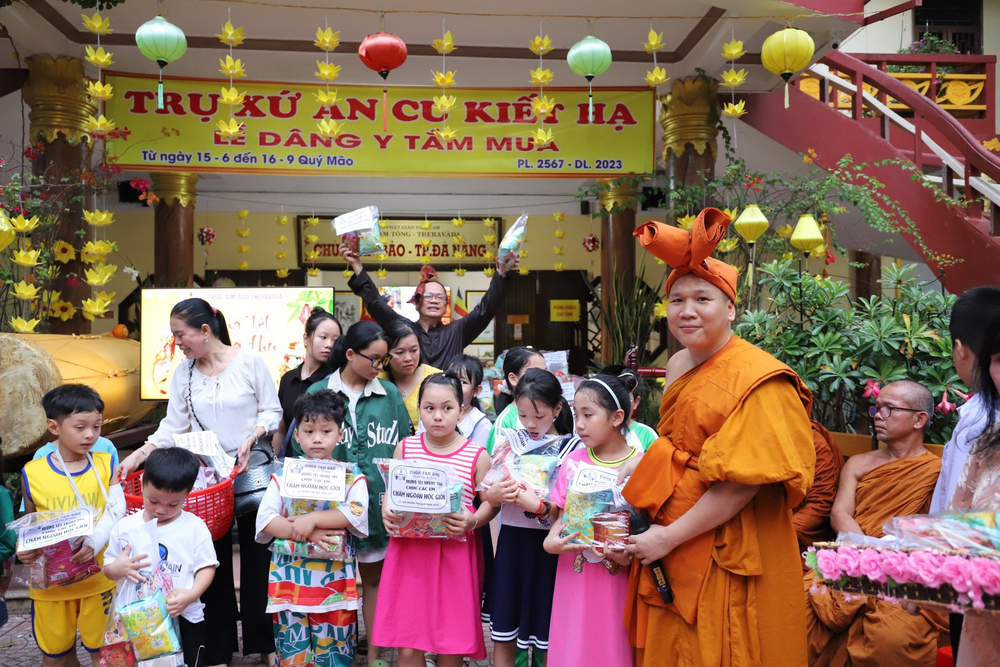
point(430, 595)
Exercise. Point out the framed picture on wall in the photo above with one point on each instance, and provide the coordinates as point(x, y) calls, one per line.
point(346, 308)
point(472, 299)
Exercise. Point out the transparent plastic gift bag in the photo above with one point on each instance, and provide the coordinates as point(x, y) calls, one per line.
point(592, 496)
point(532, 463)
point(443, 488)
point(511, 243)
point(59, 534)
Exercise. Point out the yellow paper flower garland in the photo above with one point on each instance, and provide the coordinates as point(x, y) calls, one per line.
point(243, 232)
point(327, 41)
point(444, 103)
point(541, 106)
point(653, 44)
point(233, 68)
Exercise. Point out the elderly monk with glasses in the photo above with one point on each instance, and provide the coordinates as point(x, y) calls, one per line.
point(895, 480)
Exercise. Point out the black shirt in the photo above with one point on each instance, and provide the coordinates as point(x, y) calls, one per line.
point(292, 386)
point(440, 344)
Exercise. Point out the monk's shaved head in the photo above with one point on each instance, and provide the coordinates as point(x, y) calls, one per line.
point(913, 394)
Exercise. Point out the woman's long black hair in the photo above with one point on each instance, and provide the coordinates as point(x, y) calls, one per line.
point(473, 370)
point(987, 388)
point(359, 336)
point(396, 331)
point(197, 312)
point(513, 362)
point(316, 317)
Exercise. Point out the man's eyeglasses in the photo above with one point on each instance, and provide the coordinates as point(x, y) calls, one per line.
point(377, 362)
point(885, 411)
point(432, 298)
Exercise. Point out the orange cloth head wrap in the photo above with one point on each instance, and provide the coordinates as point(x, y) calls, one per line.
point(689, 253)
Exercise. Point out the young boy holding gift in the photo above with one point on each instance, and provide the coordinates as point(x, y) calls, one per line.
point(186, 554)
point(71, 477)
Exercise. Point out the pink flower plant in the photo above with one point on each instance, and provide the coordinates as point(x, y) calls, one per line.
point(872, 389)
point(945, 407)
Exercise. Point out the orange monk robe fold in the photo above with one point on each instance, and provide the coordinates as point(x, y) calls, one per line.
point(863, 631)
point(741, 416)
point(811, 518)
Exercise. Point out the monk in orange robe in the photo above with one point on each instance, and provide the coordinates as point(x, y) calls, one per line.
point(896, 480)
point(735, 455)
point(811, 518)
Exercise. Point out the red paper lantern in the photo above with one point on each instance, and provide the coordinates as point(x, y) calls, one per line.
point(383, 52)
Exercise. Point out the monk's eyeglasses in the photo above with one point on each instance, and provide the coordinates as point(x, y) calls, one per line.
point(886, 411)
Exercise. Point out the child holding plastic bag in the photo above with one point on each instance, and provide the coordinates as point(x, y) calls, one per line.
point(591, 581)
point(183, 563)
point(523, 574)
point(68, 478)
point(312, 588)
point(430, 595)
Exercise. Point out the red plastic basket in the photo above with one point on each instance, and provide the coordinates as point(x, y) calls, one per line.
point(213, 505)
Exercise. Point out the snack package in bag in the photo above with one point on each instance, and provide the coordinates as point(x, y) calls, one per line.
point(533, 463)
point(149, 627)
point(974, 531)
point(359, 229)
point(510, 246)
point(611, 530)
point(424, 492)
point(336, 477)
point(59, 535)
point(591, 494)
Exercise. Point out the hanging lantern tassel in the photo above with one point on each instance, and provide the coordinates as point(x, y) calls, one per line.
point(385, 100)
point(786, 77)
point(590, 98)
point(159, 86)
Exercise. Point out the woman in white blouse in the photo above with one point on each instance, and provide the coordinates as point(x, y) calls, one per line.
point(227, 390)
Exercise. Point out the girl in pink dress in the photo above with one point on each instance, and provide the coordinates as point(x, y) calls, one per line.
point(429, 600)
point(591, 584)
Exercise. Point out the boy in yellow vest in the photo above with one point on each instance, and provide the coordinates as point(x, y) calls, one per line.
point(70, 477)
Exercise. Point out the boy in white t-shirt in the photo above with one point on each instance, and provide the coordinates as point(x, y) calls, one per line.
point(186, 555)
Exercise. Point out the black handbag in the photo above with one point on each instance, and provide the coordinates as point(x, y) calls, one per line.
point(249, 487)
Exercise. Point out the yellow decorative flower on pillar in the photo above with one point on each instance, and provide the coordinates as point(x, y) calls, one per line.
point(63, 252)
point(100, 274)
point(24, 225)
point(99, 127)
point(26, 257)
point(21, 325)
point(25, 291)
point(99, 218)
point(64, 310)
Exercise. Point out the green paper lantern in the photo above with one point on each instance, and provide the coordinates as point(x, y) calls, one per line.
point(163, 42)
point(589, 57)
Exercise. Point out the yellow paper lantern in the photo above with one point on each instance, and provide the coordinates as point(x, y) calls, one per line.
point(806, 236)
point(786, 52)
point(751, 224)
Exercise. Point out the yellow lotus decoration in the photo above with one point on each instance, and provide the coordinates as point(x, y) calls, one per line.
point(311, 238)
point(21, 325)
point(232, 68)
point(330, 129)
point(654, 41)
point(490, 222)
point(281, 273)
point(489, 254)
point(312, 272)
point(443, 79)
point(443, 104)
point(560, 234)
point(98, 248)
point(540, 45)
point(242, 232)
point(425, 225)
point(458, 222)
point(733, 78)
point(312, 255)
point(327, 71)
point(24, 225)
point(99, 58)
point(489, 271)
point(458, 238)
point(523, 253)
point(26, 257)
point(281, 219)
point(540, 77)
point(381, 273)
point(243, 266)
point(445, 133)
point(728, 245)
point(243, 249)
point(444, 46)
point(559, 250)
point(244, 214)
point(425, 242)
point(559, 266)
point(542, 137)
point(281, 239)
point(490, 238)
point(458, 254)
point(347, 273)
point(523, 270)
point(312, 222)
point(328, 40)
point(558, 216)
point(231, 97)
point(735, 110)
point(229, 131)
point(543, 106)
point(99, 127)
point(785, 231)
point(100, 274)
point(327, 99)
point(733, 50)
point(100, 91)
point(656, 77)
point(26, 291)
point(686, 222)
point(381, 257)
point(64, 310)
point(231, 36)
point(63, 252)
point(281, 254)
point(97, 25)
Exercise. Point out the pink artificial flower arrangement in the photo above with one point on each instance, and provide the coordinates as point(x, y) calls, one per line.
point(896, 566)
point(925, 568)
point(871, 565)
point(849, 560)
